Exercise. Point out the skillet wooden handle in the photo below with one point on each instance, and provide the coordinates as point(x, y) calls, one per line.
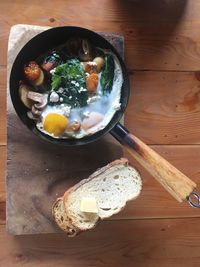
point(174, 181)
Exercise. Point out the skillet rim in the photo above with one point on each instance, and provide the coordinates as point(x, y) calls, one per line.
point(21, 110)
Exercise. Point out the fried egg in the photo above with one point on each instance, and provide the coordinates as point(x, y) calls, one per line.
point(53, 121)
point(94, 117)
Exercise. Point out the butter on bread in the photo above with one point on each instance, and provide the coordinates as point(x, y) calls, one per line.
point(109, 188)
point(89, 204)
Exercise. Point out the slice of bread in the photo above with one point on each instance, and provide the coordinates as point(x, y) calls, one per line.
point(61, 218)
point(112, 186)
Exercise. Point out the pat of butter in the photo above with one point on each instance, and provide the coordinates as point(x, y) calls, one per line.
point(89, 204)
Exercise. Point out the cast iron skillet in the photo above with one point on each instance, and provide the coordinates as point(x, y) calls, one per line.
point(40, 44)
point(175, 182)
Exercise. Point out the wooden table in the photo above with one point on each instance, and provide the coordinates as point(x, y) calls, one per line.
point(163, 56)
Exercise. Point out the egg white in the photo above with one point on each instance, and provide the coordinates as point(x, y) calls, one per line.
point(113, 98)
point(111, 101)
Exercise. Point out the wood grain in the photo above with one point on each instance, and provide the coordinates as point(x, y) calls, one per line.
point(159, 36)
point(45, 172)
point(2, 105)
point(164, 107)
point(32, 213)
point(2, 185)
point(152, 199)
point(151, 243)
point(173, 180)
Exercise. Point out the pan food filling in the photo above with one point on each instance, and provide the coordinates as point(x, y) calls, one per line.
point(72, 91)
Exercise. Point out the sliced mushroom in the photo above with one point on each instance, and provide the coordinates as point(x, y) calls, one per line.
point(40, 99)
point(85, 52)
point(35, 111)
point(23, 92)
point(36, 97)
point(41, 105)
point(31, 116)
point(40, 102)
point(86, 46)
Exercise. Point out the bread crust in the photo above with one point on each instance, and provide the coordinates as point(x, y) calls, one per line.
point(70, 229)
point(100, 171)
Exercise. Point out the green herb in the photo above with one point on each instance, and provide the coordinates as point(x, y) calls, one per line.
point(107, 75)
point(71, 77)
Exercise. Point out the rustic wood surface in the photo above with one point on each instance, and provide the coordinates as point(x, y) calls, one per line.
point(45, 171)
point(163, 57)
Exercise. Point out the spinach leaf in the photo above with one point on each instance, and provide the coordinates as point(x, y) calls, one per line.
point(71, 78)
point(107, 75)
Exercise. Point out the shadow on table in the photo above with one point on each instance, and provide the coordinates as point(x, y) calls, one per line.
point(45, 173)
point(151, 24)
point(153, 12)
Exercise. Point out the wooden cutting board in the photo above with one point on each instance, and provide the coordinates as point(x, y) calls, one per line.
point(38, 172)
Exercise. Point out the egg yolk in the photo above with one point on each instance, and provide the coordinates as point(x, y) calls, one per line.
point(55, 124)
